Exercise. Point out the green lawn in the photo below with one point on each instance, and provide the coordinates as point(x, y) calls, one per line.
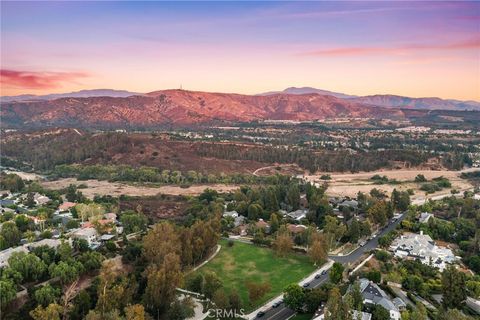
point(245, 262)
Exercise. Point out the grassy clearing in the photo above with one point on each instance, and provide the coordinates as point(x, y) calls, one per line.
point(244, 263)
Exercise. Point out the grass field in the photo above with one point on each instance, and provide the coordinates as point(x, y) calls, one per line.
point(245, 262)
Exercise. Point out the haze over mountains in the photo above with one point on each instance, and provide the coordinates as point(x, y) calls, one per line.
point(76, 94)
point(114, 108)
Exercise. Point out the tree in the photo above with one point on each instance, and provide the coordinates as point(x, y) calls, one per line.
point(313, 298)
point(453, 288)
point(283, 244)
point(294, 296)
point(68, 272)
point(81, 305)
point(161, 241)
point(380, 313)
point(357, 298)
point(353, 232)
point(336, 272)
point(180, 310)
point(333, 230)
point(87, 211)
point(453, 314)
point(257, 290)
point(133, 222)
point(293, 196)
point(374, 275)
point(10, 235)
point(235, 303)
point(211, 284)
point(28, 265)
point(135, 312)
point(115, 290)
point(91, 260)
point(336, 308)
point(12, 182)
point(220, 299)
point(65, 251)
point(318, 249)
point(162, 281)
point(46, 295)
point(274, 223)
point(378, 212)
point(51, 312)
point(254, 211)
point(9, 292)
point(420, 312)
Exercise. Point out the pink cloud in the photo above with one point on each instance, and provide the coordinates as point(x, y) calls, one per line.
point(405, 49)
point(38, 80)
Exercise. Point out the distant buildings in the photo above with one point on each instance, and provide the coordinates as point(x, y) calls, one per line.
point(298, 214)
point(425, 217)
point(88, 234)
point(422, 247)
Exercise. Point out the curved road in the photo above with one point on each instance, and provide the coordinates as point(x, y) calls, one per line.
point(282, 312)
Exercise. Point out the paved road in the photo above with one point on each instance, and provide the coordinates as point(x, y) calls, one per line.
point(282, 312)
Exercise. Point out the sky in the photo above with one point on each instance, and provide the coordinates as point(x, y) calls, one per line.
point(417, 49)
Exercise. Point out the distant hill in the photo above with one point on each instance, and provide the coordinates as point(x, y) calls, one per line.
point(307, 90)
point(392, 101)
point(76, 94)
point(389, 101)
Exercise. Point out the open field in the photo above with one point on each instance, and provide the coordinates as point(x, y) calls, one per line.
point(244, 263)
point(97, 187)
point(349, 184)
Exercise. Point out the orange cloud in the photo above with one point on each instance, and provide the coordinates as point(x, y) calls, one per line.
point(37, 80)
point(406, 49)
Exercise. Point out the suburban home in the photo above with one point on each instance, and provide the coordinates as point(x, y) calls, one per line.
point(233, 214)
point(422, 247)
point(52, 243)
point(66, 206)
point(373, 295)
point(260, 224)
point(110, 216)
point(296, 228)
point(356, 315)
point(40, 199)
point(352, 204)
point(239, 221)
point(425, 217)
point(88, 234)
point(298, 214)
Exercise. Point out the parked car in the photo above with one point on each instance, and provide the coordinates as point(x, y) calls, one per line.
point(306, 285)
point(324, 272)
point(317, 276)
point(260, 314)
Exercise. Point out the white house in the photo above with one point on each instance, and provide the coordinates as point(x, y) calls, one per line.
point(422, 247)
point(88, 234)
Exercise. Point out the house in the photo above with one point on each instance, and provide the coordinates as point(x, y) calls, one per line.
point(296, 228)
point(5, 254)
point(399, 303)
point(40, 199)
point(424, 217)
point(352, 204)
point(233, 214)
point(239, 221)
point(110, 216)
point(298, 214)
point(88, 234)
point(373, 295)
point(260, 224)
point(52, 243)
point(356, 315)
point(66, 206)
point(106, 237)
point(422, 247)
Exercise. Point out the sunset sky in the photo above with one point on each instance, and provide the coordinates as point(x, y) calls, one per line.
point(418, 49)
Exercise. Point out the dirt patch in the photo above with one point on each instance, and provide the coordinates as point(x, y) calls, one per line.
point(97, 187)
point(349, 184)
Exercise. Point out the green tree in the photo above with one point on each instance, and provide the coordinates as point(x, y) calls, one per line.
point(10, 235)
point(293, 196)
point(133, 222)
point(9, 292)
point(294, 296)
point(380, 313)
point(211, 284)
point(453, 288)
point(46, 295)
point(66, 271)
point(353, 232)
point(51, 312)
point(336, 272)
point(28, 265)
point(274, 223)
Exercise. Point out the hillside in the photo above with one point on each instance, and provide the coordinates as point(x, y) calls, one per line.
point(180, 107)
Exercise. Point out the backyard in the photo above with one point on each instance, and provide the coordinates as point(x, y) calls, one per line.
point(243, 263)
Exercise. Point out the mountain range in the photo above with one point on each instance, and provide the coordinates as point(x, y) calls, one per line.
point(76, 94)
point(94, 108)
